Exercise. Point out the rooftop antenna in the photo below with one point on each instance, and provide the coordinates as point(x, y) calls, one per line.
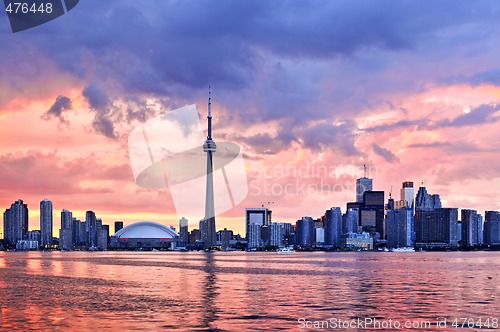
point(390, 193)
point(209, 117)
point(422, 182)
point(364, 167)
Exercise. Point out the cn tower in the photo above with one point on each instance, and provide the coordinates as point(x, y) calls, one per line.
point(207, 225)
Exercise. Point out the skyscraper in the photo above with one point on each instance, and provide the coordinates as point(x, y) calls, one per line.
point(91, 229)
point(469, 228)
point(333, 227)
point(372, 212)
point(46, 222)
point(15, 223)
point(399, 227)
point(255, 219)
point(492, 228)
point(183, 230)
point(408, 193)
point(66, 231)
point(305, 232)
point(207, 224)
point(350, 221)
point(425, 201)
point(118, 225)
point(363, 184)
point(66, 219)
point(436, 228)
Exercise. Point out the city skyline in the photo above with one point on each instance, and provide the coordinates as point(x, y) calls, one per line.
point(413, 96)
point(398, 201)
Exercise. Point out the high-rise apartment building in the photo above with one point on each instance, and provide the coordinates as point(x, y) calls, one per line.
point(333, 227)
point(15, 223)
point(91, 229)
point(183, 231)
point(46, 222)
point(66, 241)
point(305, 232)
point(255, 219)
point(469, 228)
point(492, 228)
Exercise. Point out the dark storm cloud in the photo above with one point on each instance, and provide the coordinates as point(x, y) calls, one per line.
point(255, 53)
point(384, 153)
point(60, 105)
point(100, 103)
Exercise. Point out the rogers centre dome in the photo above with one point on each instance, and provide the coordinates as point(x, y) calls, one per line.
point(144, 234)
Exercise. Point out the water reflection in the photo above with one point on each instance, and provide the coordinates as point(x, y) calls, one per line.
point(239, 291)
point(210, 291)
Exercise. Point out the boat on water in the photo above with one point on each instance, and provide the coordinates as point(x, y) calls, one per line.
point(405, 249)
point(285, 251)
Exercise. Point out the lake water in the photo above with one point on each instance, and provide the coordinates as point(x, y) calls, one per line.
point(150, 291)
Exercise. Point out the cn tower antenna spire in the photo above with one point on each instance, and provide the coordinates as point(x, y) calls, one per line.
point(209, 117)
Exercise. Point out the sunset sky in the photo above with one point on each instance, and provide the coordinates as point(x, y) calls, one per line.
point(310, 90)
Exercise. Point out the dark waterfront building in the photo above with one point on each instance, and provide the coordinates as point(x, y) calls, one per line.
point(118, 225)
point(46, 223)
point(399, 228)
point(350, 221)
point(224, 237)
point(108, 238)
point(15, 223)
point(183, 231)
point(372, 212)
point(83, 233)
point(76, 232)
point(255, 219)
point(194, 236)
point(436, 228)
point(492, 228)
point(305, 232)
point(91, 229)
point(469, 228)
point(333, 227)
point(66, 241)
point(102, 238)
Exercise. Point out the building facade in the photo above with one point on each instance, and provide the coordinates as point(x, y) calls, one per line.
point(46, 223)
point(255, 219)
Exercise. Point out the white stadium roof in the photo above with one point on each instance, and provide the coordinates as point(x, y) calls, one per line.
point(146, 230)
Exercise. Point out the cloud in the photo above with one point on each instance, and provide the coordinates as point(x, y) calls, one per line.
point(479, 115)
point(322, 136)
point(264, 143)
point(100, 103)
point(60, 105)
point(384, 153)
point(418, 124)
